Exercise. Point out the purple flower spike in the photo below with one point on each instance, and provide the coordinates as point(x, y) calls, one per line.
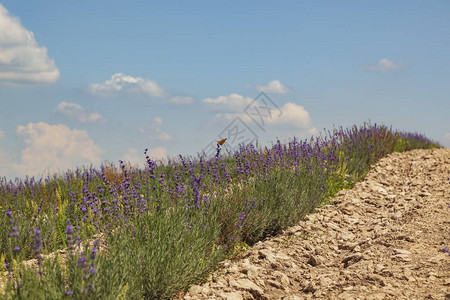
point(69, 292)
point(81, 261)
point(8, 213)
point(69, 229)
point(17, 248)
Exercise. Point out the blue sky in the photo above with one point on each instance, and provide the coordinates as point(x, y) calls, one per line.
point(82, 82)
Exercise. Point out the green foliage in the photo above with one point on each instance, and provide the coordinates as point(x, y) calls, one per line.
point(238, 250)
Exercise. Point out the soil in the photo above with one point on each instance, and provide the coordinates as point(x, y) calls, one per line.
point(387, 238)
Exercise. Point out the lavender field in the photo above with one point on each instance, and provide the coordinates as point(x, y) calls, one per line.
point(150, 233)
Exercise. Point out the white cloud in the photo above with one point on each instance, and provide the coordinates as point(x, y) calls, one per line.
point(52, 148)
point(274, 87)
point(134, 157)
point(22, 60)
point(293, 116)
point(293, 121)
point(158, 153)
point(232, 103)
point(181, 100)
point(384, 65)
point(164, 136)
point(157, 121)
point(120, 84)
point(155, 131)
point(78, 112)
point(138, 159)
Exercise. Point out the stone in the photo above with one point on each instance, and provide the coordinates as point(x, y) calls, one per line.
point(377, 296)
point(325, 282)
point(292, 297)
point(309, 287)
point(346, 296)
point(231, 296)
point(314, 260)
point(282, 256)
point(378, 189)
point(401, 255)
point(253, 272)
point(275, 284)
point(247, 285)
point(333, 226)
point(376, 278)
point(401, 251)
point(195, 290)
point(267, 254)
point(424, 194)
point(285, 281)
point(351, 259)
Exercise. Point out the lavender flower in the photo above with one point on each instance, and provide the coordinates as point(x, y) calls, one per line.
point(248, 208)
point(81, 261)
point(37, 243)
point(69, 229)
point(94, 250)
point(69, 232)
point(37, 246)
point(15, 232)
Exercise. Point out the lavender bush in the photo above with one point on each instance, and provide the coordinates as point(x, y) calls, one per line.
point(165, 227)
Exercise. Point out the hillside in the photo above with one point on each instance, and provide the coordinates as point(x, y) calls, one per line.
point(127, 233)
point(387, 238)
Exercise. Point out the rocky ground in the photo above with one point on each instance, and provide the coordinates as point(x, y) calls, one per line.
point(384, 239)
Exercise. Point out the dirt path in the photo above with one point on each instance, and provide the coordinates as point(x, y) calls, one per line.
point(385, 239)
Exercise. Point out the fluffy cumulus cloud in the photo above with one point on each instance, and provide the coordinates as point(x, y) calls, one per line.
point(158, 153)
point(384, 65)
point(154, 130)
point(293, 121)
point(53, 148)
point(134, 157)
point(22, 60)
point(293, 115)
point(78, 112)
point(231, 103)
point(120, 84)
point(274, 87)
